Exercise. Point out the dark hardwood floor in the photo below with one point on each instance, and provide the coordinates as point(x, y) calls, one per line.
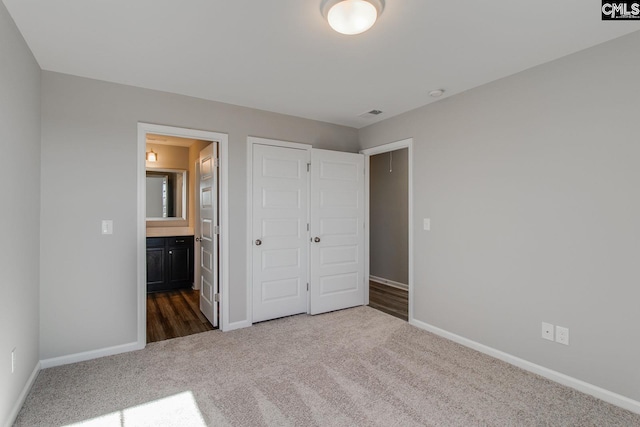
point(174, 314)
point(393, 301)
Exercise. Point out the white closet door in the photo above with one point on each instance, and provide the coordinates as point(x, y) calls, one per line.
point(279, 231)
point(337, 230)
point(208, 206)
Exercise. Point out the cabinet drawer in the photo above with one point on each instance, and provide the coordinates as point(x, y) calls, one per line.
point(180, 241)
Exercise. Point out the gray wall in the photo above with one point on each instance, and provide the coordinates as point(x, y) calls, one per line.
point(532, 185)
point(19, 212)
point(89, 130)
point(388, 216)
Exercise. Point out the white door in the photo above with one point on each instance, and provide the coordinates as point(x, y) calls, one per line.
point(208, 206)
point(195, 193)
point(279, 231)
point(337, 230)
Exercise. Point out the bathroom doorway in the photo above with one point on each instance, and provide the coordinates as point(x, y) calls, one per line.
point(174, 299)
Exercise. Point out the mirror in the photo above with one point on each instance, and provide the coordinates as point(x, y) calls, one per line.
point(166, 194)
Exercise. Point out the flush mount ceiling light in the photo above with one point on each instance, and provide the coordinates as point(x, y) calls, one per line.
point(351, 16)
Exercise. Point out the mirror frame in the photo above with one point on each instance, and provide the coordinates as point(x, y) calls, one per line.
point(184, 195)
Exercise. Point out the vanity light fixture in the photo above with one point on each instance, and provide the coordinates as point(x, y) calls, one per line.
point(152, 156)
point(351, 17)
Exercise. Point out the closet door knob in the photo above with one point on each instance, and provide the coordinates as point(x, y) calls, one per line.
point(316, 239)
point(258, 242)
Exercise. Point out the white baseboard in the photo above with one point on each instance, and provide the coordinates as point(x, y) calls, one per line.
point(593, 390)
point(389, 282)
point(88, 355)
point(237, 325)
point(23, 395)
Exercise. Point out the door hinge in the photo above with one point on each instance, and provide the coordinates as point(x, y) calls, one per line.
point(308, 167)
point(307, 287)
point(216, 162)
point(216, 229)
point(307, 226)
point(216, 297)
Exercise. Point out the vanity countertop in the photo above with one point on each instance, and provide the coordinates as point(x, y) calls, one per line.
point(169, 231)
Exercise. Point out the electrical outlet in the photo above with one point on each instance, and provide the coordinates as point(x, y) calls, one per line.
point(562, 335)
point(547, 331)
point(13, 360)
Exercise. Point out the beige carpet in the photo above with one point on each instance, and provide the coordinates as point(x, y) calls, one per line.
point(356, 367)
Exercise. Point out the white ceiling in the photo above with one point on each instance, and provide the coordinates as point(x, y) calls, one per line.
point(281, 55)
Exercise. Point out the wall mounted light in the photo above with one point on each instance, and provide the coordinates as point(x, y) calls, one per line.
point(351, 17)
point(152, 156)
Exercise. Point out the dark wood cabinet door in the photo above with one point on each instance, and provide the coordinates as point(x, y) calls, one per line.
point(179, 260)
point(156, 268)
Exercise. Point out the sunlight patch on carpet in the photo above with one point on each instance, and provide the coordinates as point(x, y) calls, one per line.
point(177, 410)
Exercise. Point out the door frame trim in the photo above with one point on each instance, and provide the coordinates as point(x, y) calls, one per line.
point(251, 141)
point(223, 141)
point(385, 148)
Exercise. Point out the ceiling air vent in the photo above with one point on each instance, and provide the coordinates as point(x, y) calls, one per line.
point(371, 113)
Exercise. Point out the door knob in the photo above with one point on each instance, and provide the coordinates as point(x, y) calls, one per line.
point(316, 239)
point(198, 239)
point(258, 242)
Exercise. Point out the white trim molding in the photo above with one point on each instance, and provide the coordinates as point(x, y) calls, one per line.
point(15, 410)
point(238, 325)
point(582, 386)
point(223, 145)
point(385, 148)
point(88, 355)
point(286, 144)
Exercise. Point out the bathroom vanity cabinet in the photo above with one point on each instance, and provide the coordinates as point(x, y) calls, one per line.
point(169, 263)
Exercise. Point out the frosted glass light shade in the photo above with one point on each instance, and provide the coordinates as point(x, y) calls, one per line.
point(352, 16)
point(152, 156)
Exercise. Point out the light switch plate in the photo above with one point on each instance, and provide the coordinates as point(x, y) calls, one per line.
point(107, 226)
point(427, 224)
